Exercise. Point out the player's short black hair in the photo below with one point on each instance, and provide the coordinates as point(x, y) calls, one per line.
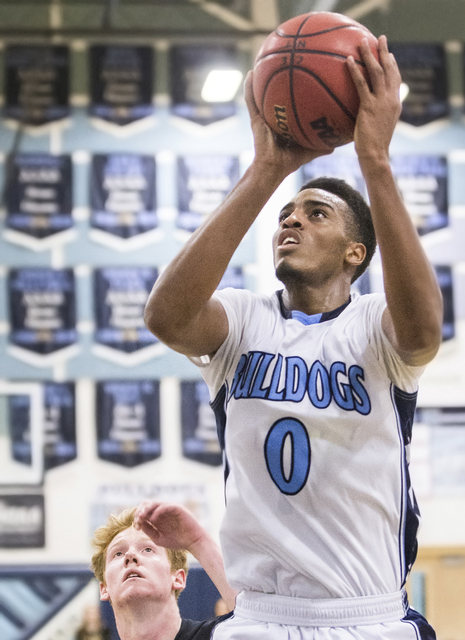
point(360, 226)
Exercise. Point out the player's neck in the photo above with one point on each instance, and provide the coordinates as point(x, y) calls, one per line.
point(148, 621)
point(311, 300)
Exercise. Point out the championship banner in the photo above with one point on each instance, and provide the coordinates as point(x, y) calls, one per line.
point(199, 435)
point(121, 83)
point(203, 182)
point(189, 68)
point(340, 166)
point(423, 68)
point(120, 294)
point(423, 183)
point(123, 194)
point(59, 425)
point(42, 308)
point(36, 83)
point(128, 421)
point(22, 521)
point(38, 194)
point(444, 277)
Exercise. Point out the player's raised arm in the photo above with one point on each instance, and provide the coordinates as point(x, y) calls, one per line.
point(174, 527)
point(180, 310)
point(413, 317)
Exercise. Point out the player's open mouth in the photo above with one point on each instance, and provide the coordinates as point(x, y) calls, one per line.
point(287, 238)
point(133, 574)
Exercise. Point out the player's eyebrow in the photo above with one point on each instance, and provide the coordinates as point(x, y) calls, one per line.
point(290, 206)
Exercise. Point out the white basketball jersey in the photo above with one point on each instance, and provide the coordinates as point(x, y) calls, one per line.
point(314, 414)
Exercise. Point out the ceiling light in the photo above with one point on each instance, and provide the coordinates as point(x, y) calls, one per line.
point(221, 85)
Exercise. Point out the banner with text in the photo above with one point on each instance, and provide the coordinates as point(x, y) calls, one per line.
point(423, 68)
point(121, 83)
point(423, 183)
point(189, 69)
point(203, 182)
point(39, 194)
point(123, 194)
point(42, 308)
point(128, 421)
point(36, 83)
point(120, 294)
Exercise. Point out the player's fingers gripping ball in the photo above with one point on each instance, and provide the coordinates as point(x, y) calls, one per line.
point(301, 83)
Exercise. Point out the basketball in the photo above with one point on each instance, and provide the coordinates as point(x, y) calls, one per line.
point(301, 83)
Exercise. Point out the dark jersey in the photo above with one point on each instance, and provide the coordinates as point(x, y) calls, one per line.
point(191, 630)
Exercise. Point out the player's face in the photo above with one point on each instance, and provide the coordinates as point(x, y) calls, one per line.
point(311, 241)
point(136, 568)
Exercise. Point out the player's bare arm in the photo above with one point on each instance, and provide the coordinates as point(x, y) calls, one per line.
point(180, 310)
point(412, 321)
point(174, 527)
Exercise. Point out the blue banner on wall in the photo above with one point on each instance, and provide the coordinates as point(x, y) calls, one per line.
point(38, 194)
point(423, 183)
point(121, 83)
point(59, 425)
point(120, 294)
point(203, 183)
point(199, 435)
point(189, 68)
point(128, 421)
point(423, 67)
point(123, 194)
point(36, 83)
point(42, 308)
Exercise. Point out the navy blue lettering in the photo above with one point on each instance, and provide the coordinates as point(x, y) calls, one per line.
point(257, 390)
point(296, 379)
point(318, 383)
point(243, 387)
point(342, 391)
point(294, 481)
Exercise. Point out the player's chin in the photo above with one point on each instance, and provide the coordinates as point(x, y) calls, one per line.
point(287, 273)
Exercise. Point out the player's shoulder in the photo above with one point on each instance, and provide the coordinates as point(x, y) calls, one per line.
point(366, 302)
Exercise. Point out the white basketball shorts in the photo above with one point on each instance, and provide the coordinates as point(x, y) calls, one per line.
point(260, 616)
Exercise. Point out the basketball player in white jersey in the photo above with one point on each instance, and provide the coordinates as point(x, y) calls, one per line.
point(314, 388)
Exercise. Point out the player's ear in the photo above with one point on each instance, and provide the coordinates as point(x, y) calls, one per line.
point(178, 580)
point(104, 595)
point(356, 252)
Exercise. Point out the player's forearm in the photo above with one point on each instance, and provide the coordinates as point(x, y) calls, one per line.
point(208, 554)
point(413, 296)
point(189, 281)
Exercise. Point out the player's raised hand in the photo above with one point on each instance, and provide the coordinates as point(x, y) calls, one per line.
point(380, 105)
point(269, 148)
point(168, 525)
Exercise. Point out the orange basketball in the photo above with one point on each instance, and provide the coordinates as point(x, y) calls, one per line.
point(301, 83)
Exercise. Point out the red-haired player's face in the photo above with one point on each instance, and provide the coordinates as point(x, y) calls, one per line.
point(311, 239)
point(136, 568)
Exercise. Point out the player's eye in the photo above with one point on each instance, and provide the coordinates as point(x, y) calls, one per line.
point(118, 553)
point(148, 549)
